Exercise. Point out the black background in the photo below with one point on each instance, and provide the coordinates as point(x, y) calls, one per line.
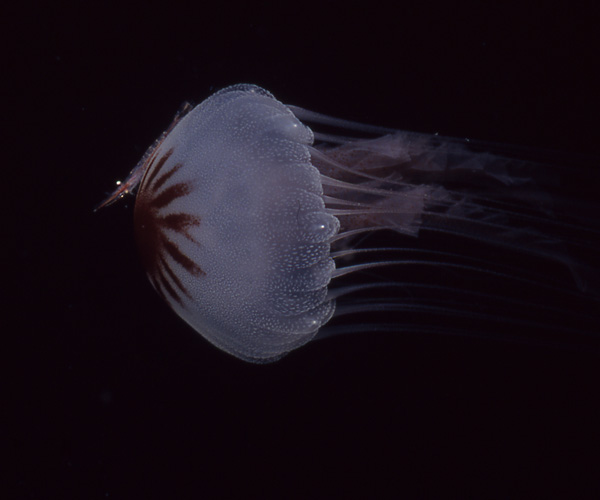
point(110, 395)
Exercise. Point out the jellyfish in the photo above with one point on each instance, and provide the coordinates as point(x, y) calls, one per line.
point(263, 234)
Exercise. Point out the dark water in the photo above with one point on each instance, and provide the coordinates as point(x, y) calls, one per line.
point(110, 395)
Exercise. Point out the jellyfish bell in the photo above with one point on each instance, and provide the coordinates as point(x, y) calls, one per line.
point(261, 234)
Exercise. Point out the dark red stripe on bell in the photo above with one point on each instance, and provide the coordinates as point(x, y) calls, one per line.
point(165, 177)
point(170, 194)
point(180, 223)
point(188, 264)
point(164, 283)
point(165, 267)
point(156, 170)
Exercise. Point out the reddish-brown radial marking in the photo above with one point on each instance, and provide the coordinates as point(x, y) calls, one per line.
point(180, 223)
point(164, 266)
point(182, 259)
point(153, 230)
point(165, 285)
point(164, 178)
point(154, 171)
point(171, 193)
